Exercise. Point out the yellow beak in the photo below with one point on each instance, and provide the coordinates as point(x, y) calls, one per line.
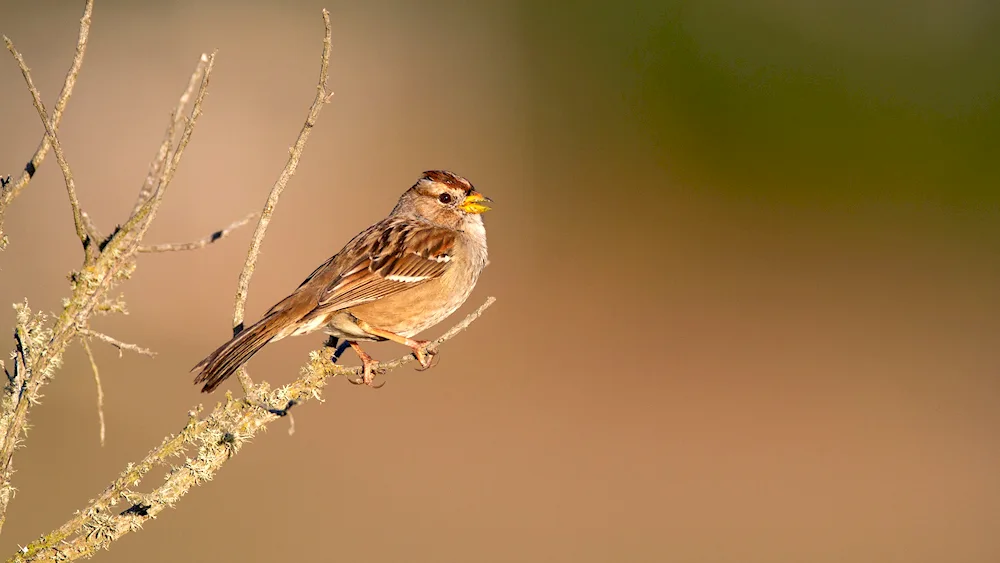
point(473, 203)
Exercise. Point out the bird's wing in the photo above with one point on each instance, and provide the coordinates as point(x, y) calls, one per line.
point(385, 259)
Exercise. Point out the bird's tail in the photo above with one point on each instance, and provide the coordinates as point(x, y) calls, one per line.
point(228, 358)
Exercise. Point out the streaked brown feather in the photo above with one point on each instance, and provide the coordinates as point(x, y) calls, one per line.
point(416, 249)
point(228, 358)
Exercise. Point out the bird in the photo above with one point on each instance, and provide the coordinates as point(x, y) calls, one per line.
point(400, 276)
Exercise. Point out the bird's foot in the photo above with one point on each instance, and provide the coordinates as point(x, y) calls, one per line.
point(423, 354)
point(369, 368)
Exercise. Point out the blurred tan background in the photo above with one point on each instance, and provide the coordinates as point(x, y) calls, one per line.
point(746, 255)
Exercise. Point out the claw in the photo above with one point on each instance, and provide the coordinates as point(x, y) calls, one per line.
point(433, 362)
point(368, 378)
point(368, 374)
point(369, 370)
point(423, 355)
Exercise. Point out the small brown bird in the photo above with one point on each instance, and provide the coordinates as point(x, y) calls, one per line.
point(400, 276)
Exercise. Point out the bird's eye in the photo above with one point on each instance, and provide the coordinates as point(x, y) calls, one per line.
point(445, 198)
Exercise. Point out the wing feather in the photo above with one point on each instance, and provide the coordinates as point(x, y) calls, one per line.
point(388, 258)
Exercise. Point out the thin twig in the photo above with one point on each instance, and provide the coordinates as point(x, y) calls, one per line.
point(323, 97)
point(91, 228)
point(218, 437)
point(81, 230)
point(97, 381)
point(142, 217)
point(12, 190)
point(90, 287)
point(202, 243)
point(453, 331)
point(177, 116)
point(117, 343)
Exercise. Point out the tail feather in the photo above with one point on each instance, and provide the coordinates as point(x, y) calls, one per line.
point(228, 358)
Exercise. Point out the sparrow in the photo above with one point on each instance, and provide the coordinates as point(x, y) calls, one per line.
point(402, 275)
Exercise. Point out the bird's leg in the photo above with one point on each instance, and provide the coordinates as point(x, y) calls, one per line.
point(419, 347)
point(339, 346)
point(369, 365)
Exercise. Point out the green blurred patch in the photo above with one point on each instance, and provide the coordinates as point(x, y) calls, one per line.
point(845, 101)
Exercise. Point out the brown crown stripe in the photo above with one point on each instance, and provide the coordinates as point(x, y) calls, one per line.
point(449, 179)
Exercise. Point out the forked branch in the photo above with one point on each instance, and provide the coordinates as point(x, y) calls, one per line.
point(39, 345)
point(11, 189)
point(36, 97)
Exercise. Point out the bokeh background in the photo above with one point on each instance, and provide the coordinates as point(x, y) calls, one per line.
point(746, 255)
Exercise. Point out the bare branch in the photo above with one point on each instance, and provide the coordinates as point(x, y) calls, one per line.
point(11, 190)
point(92, 231)
point(81, 230)
point(117, 343)
point(97, 381)
point(140, 220)
point(202, 243)
point(323, 97)
point(177, 116)
point(218, 437)
point(453, 331)
point(90, 286)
